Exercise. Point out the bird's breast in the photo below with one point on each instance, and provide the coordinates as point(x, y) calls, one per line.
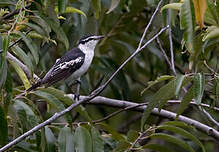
point(87, 62)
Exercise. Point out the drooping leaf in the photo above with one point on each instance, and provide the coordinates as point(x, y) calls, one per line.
point(199, 86)
point(66, 140)
point(98, 144)
point(3, 128)
point(184, 133)
point(21, 74)
point(158, 80)
point(5, 45)
point(187, 21)
point(132, 135)
point(50, 140)
point(122, 146)
point(31, 45)
point(35, 27)
point(163, 94)
point(3, 73)
point(213, 10)
point(172, 139)
point(179, 124)
point(200, 8)
point(72, 10)
point(83, 142)
point(62, 5)
point(211, 33)
point(185, 101)
point(97, 7)
point(23, 57)
point(179, 81)
point(113, 5)
point(175, 6)
point(26, 116)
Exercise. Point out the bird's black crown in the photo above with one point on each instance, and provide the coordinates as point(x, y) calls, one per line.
point(85, 39)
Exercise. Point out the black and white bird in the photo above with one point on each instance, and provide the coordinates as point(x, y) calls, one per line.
point(74, 63)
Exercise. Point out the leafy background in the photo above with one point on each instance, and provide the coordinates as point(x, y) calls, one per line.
point(48, 28)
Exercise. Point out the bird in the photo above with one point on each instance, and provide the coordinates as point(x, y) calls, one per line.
point(74, 63)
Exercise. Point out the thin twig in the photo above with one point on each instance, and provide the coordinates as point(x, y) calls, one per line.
point(209, 116)
point(209, 68)
point(171, 51)
point(163, 51)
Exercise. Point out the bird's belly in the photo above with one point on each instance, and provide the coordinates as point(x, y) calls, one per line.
point(83, 69)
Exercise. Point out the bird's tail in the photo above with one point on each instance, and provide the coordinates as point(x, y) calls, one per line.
point(34, 86)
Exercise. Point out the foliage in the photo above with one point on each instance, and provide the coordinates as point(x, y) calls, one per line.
point(48, 28)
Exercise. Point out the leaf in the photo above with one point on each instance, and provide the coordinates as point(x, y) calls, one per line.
point(66, 140)
point(72, 10)
point(5, 45)
point(62, 5)
point(157, 147)
point(179, 124)
point(26, 116)
point(50, 139)
point(113, 5)
point(183, 133)
point(21, 74)
point(163, 94)
point(200, 8)
point(53, 101)
point(172, 139)
point(97, 7)
point(31, 45)
point(98, 144)
point(211, 33)
point(122, 146)
point(199, 83)
point(3, 128)
point(179, 81)
point(113, 132)
point(187, 21)
point(158, 80)
point(175, 6)
point(185, 101)
point(22, 56)
point(35, 27)
point(84, 141)
point(213, 10)
point(3, 73)
point(132, 135)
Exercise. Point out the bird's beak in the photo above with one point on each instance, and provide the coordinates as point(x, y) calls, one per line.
point(100, 37)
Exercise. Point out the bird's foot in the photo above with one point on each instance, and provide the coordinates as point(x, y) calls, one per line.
point(77, 96)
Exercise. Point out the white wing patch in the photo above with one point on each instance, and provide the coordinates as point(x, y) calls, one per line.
point(66, 65)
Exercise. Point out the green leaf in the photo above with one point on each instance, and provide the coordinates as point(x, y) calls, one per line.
point(26, 116)
point(213, 10)
point(37, 28)
point(31, 45)
point(179, 124)
point(175, 6)
point(97, 7)
point(113, 132)
point(41, 22)
point(122, 146)
point(185, 101)
point(172, 139)
point(53, 101)
point(83, 142)
point(183, 133)
point(187, 20)
point(21, 74)
point(132, 135)
point(5, 45)
point(179, 82)
point(3, 73)
point(50, 139)
point(3, 128)
point(113, 5)
point(163, 94)
point(22, 56)
point(199, 83)
point(72, 10)
point(158, 80)
point(211, 33)
point(62, 5)
point(157, 147)
point(66, 140)
point(98, 144)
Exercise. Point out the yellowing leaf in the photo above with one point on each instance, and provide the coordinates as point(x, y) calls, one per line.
point(21, 74)
point(200, 8)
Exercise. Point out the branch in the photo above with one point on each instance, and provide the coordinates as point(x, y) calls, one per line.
point(164, 113)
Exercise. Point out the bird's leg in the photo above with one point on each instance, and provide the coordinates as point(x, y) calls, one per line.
point(77, 94)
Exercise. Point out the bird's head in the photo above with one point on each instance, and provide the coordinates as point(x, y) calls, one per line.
point(87, 43)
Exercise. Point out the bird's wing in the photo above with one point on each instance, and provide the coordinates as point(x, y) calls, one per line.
point(64, 67)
